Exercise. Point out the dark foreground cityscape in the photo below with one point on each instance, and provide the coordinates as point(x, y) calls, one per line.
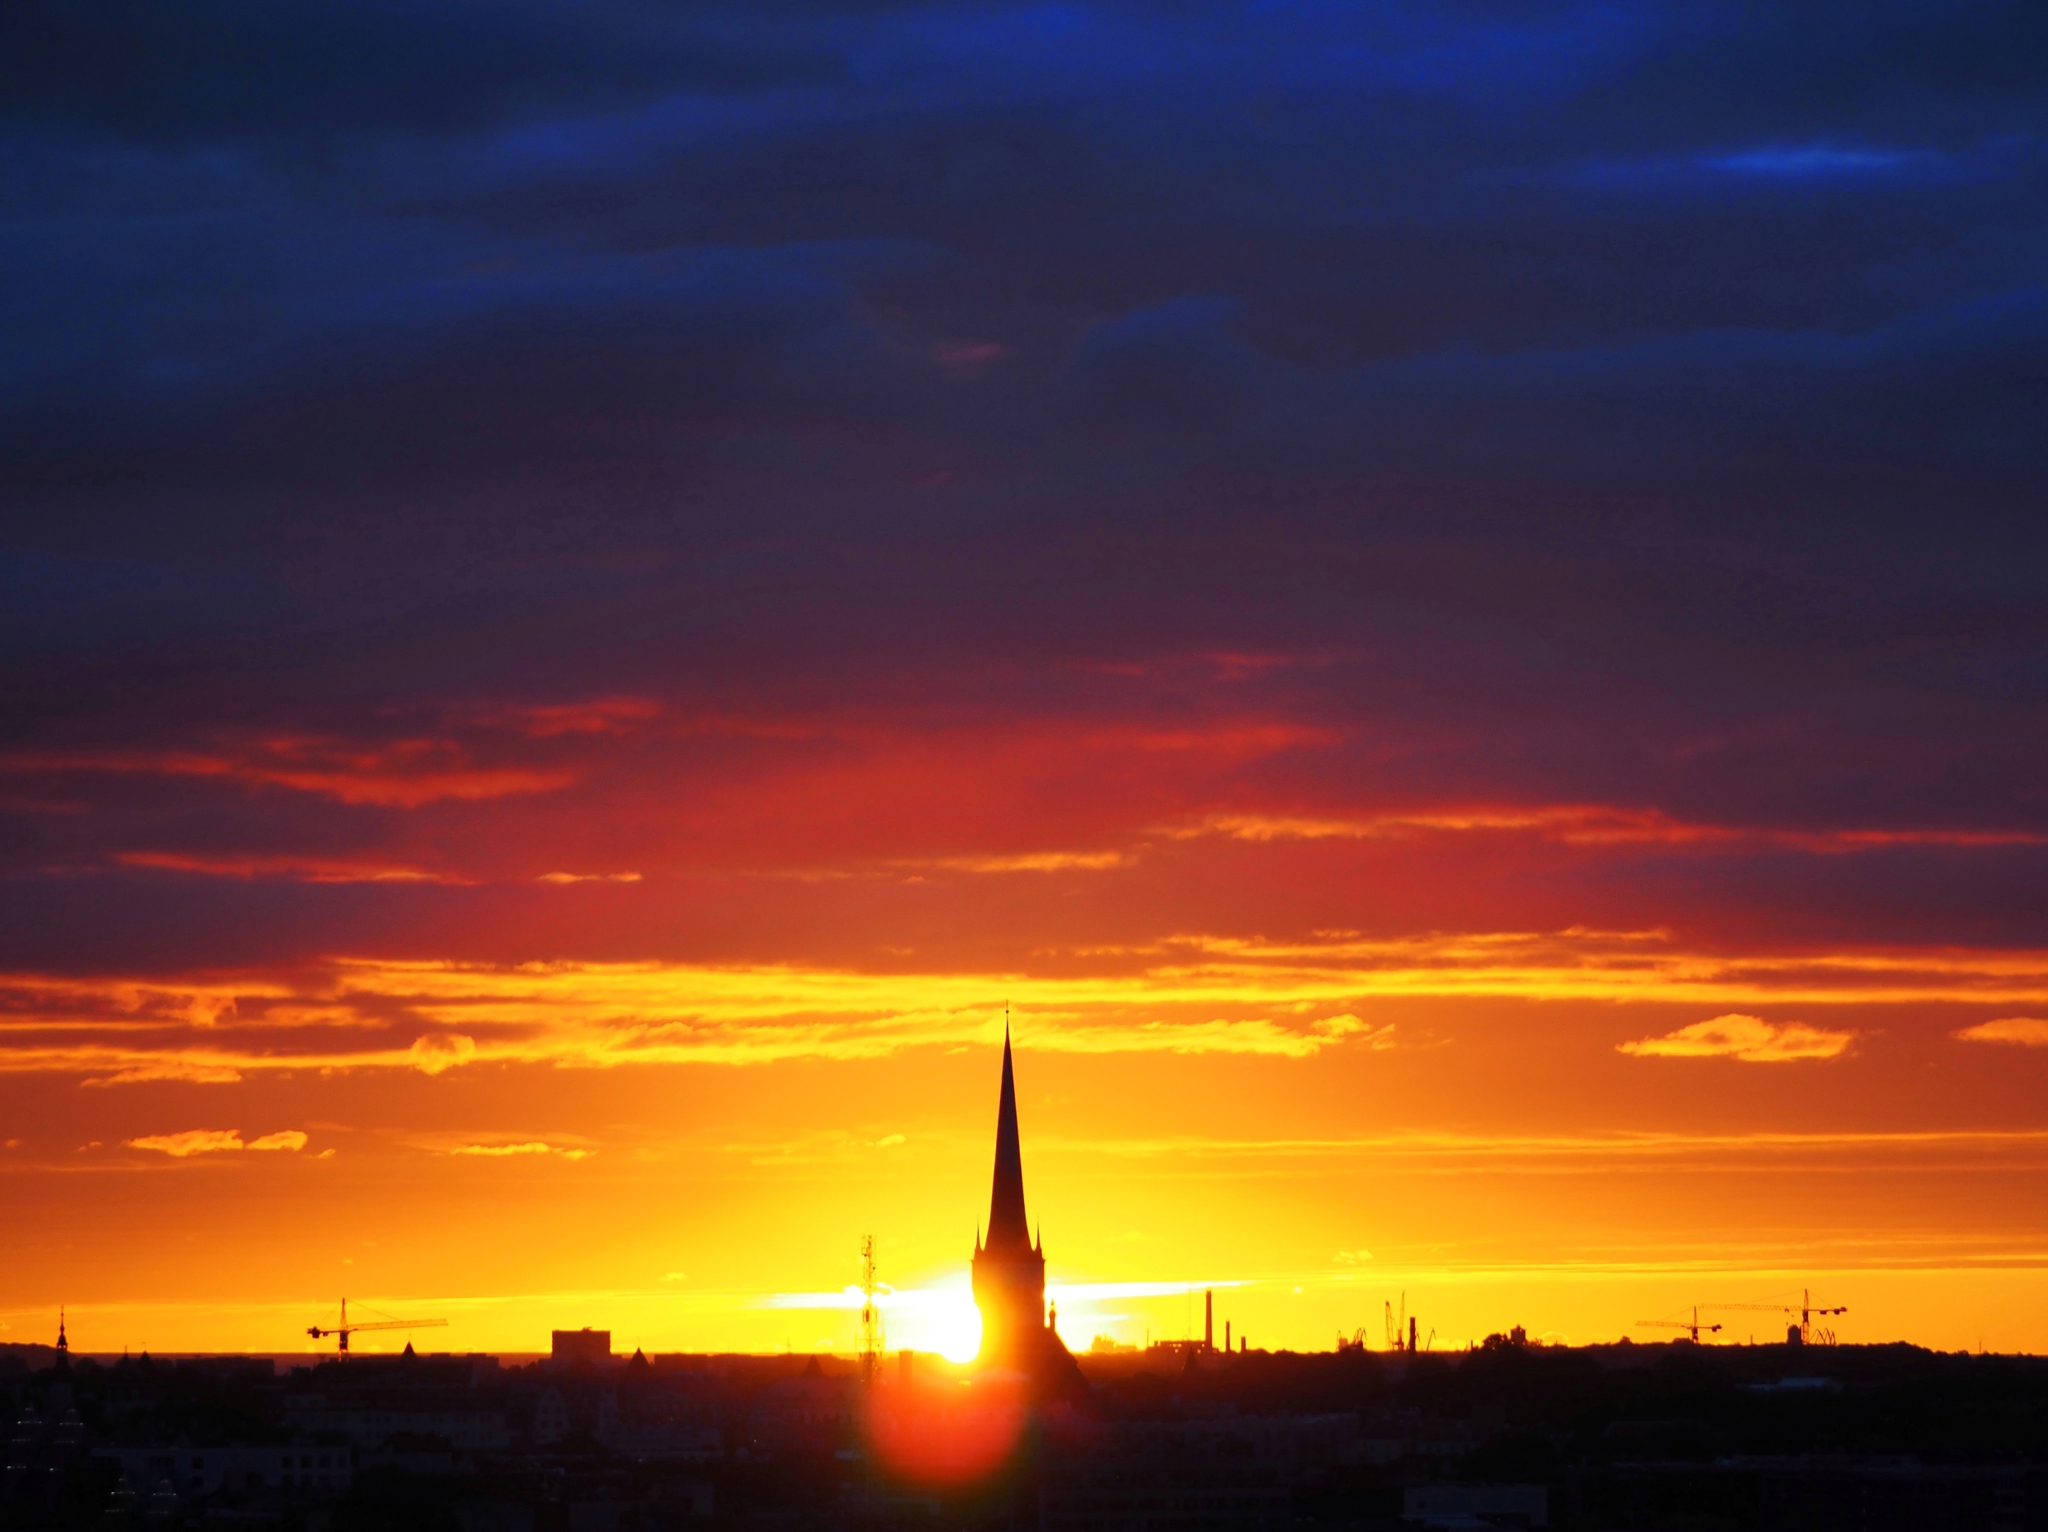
point(1667, 1437)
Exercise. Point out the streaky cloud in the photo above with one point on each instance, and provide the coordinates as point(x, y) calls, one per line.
point(2025, 1031)
point(1749, 1039)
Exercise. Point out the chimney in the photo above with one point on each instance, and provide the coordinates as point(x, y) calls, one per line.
point(1209, 1321)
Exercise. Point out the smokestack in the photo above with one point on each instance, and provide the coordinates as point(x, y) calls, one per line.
point(1209, 1321)
point(1411, 1334)
point(1226, 1337)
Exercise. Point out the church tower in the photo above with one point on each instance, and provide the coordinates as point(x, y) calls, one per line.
point(1009, 1268)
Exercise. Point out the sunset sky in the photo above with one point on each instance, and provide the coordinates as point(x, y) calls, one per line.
point(1449, 602)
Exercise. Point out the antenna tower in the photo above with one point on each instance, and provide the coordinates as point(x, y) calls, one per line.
point(870, 1314)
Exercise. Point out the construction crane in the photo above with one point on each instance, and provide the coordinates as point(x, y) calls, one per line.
point(344, 1330)
point(1805, 1308)
point(1692, 1326)
point(1401, 1327)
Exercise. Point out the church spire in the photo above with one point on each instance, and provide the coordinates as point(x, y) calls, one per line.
point(1008, 1229)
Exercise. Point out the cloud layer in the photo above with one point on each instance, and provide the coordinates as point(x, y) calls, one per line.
point(1415, 545)
point(217, 1141)
point(1183, 995)
point(1747, 1038)
point(2026, 1031)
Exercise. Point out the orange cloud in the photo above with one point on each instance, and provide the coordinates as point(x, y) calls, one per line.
point(436, 1051)
point(52, 1001)
point(217, 1141)
point(1531, 1148)
point(1572, 823)
point(501, 1151)
point(1747, 1038)
point(2026, 1031)
point(1186, 995)
point(1583, 825)
point(296, 869)
point(1378, 1038)
point(405, 773)
point(189, 1071)
point(193, 1141)
point(599, 715)
point(1029, 861)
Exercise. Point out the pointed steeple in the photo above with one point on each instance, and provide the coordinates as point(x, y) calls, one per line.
point(1008, 1229)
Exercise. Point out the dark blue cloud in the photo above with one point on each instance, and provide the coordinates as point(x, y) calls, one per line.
point(226, 69)
point(418, 345)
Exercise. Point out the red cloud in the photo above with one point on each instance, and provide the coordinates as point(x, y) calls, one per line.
point(599, 715)
point(403, 773)
point(297, 869)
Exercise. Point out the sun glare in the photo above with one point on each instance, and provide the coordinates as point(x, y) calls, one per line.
point(956, 1332)
point(941, 1319)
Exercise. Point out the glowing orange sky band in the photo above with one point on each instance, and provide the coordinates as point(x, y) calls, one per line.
point(1208, 995)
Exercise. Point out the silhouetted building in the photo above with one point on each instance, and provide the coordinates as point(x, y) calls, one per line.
point(592, 1347)
point(1191, 1476)
point(1481, 1505)
point(1816, 1494)
point(552, 1421)
point(1009, 1267)
point(370, 1402)
point(59, 1397)
point(813, 1414)
point(198, 1472)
